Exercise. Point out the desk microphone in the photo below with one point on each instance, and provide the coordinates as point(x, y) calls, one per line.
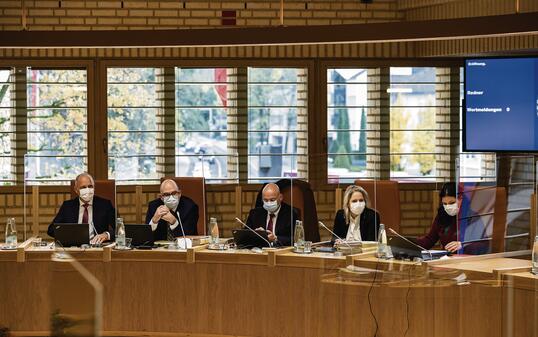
point(411, 242)
point(182, 231)
point(333, 233)
point(253, 231)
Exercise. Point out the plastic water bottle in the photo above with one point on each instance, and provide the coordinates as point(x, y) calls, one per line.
point(382, 242)
point(213, 231)
point(11, 233)
point(299, 234)
point(534, 268)
point(120, 233)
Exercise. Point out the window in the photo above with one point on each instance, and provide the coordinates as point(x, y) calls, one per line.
point(201, 123)
point(276, 97)
point(412, 122)
point(346, 123)
point(5, 127)
point(133, 106)
point(57, 115)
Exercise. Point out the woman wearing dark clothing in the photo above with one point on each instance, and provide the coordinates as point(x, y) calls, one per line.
point(444, 227)
point(355, 221)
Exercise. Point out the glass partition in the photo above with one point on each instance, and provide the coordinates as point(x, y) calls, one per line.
point(76, 299)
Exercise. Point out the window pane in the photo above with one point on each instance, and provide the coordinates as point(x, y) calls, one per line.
point(57, 119)
point(133, 106)
point(202, 123)
point(274, 106)
point(346, 116)
point(5, 127)
point(412, 122)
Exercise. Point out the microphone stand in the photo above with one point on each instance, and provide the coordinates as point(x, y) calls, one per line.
point(182, 231)
point(333, 233)
point(252, 230)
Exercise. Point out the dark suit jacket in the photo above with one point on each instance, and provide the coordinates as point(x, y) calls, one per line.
point(283, 228)
point(369, 223)
point(103, 215)
point(189, 218)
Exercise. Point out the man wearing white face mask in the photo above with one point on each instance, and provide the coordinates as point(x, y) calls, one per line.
point(88, 208)
point(355, 221)
point(276, 217)
point(167, 213)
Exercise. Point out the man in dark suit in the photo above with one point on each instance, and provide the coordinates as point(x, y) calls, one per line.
point(275, 217)
point(170, 212)
point(88, 208)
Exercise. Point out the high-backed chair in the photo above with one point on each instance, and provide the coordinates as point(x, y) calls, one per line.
point(299, 194)
point(194, 188)
point(103, 188)
point(384, 198)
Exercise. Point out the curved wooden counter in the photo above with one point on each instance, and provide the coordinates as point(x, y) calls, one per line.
point(241, 293)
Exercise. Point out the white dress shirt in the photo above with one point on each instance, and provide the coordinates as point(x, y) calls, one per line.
point(91, 227)
point(354, 230)
point(274, 220)
point(172, 226)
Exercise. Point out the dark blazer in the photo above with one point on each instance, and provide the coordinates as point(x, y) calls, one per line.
point(189, 218)
point(257, 217)
point(103, 215)
point(369, 223)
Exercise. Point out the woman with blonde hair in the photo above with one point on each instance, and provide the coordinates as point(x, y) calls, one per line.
point(355, 221)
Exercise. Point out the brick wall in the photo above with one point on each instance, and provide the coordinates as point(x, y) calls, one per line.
point(416, 206)
point(173, 14)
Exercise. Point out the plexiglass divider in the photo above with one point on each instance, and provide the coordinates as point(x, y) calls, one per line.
point(76, 299)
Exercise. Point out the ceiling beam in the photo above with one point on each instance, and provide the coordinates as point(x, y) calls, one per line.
point(499, 25)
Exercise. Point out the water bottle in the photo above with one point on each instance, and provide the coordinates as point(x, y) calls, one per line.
point(382, 242)
point(11, 233)
point(213, 231)
point(534, 268)
point(120, 233)
point(299, 234)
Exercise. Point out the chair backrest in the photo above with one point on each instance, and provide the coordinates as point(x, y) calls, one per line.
point(103, 188)
point(384, 198)
point(299, 194)
point(194, 188)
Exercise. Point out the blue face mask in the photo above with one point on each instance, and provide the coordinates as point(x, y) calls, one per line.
point(271, 206)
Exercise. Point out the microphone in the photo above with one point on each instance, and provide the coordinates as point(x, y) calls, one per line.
point(252, 230)
point(411, 242)
point(333, 233)
point(185, 245)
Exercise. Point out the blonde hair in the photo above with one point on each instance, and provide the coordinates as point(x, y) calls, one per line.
point(347, 196)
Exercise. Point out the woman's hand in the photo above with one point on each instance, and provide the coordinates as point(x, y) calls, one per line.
point(453, 246)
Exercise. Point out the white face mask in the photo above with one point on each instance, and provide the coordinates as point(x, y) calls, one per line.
point(270, 206)
point(357, 207)
point(451, 209)
point(86, 194)
point(171, 201)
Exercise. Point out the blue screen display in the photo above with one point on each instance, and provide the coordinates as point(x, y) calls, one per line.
point(501, 104)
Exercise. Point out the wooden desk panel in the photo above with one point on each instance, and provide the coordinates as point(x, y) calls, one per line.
point(242, 294)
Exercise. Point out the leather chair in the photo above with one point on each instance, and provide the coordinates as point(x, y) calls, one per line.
point(103, 188)
point(385, 199)
point(300, 195)
point(194, 188)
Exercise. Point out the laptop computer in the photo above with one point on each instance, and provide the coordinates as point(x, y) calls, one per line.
point(71, 234)
point(245, 238)
point(407, 249)
point(141, 234)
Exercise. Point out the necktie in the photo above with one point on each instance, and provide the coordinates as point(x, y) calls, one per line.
point(169, 234)
point(85, 214)
point(270, 224)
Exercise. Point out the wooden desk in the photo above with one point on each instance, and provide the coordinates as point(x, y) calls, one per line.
point(240, 293)
point(520, 298)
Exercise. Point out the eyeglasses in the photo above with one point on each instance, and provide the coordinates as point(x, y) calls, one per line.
point(164, 195)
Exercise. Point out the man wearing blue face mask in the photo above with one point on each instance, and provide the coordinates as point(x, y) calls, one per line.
point(275, 217)
point(170, 211)
point(87, 208)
